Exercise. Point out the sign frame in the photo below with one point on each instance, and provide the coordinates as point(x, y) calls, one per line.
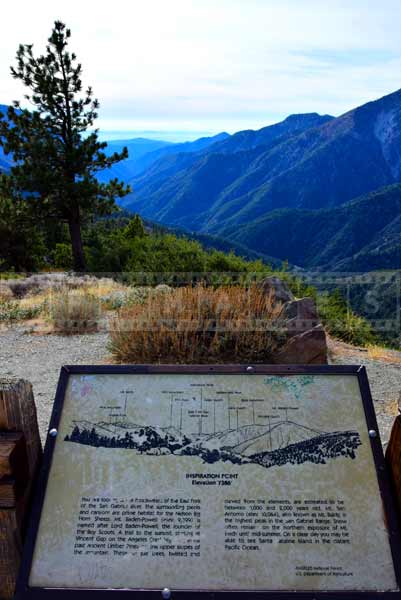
point(25, 592)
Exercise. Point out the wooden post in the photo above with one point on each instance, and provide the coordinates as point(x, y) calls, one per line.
point(393, 458)
point(20, 454)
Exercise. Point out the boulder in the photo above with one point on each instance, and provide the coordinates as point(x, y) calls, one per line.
point(304, 339)
point(307, 348)
point(299, 315)
point(302, 308)
point(278, 289)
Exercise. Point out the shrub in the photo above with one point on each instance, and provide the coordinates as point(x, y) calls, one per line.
point(340, 322)
point(22, 287)
point(198, 325)
point(5, 292)
point(57, 282)
point(22, 246)
point(117, 299)
point(62, 256)
point(74, 312)
point(12, 311)
point(134, 228)
point(113, 300)
point(164, 254)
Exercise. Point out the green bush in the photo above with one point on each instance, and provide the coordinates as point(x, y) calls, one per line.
point(12, 311)
point(22, 246)
point(62, 256)
point(119, 299)
point(165, 254)
point(340, 322)
point(134, 228)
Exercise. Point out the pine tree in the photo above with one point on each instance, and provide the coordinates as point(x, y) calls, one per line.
point(22, 246)
point(135, 228)
point(56, 155)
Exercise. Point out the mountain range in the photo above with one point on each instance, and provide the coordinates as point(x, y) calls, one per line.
point(316, 190)
point(5, 161)
point(319, 191)
point(361, 235)
point(143, 152)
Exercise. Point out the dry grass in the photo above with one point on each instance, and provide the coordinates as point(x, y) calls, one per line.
point(34, 301)
point(75, 311)
point(104, 287)
point(383, 354)
point(376, 352)
point(71, 304)
point(198, 325)
point(391, 408)
point(5, 293)
point(48, 283)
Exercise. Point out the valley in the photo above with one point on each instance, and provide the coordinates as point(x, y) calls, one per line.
point(318, 191)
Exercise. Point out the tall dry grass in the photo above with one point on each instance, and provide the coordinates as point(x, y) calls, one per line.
point(70, 303)
point(74, 312)
point(53, 283)
point(198, 325)
point(382, 354)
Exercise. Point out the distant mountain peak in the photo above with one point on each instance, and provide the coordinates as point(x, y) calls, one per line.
point(306, 117)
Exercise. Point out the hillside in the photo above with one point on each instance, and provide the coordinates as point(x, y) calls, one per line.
point(212, 242)
point(361, 235)
point(137, 148)
point(150, 157)
point(144, 152)
point(187, 190)
point(249, 139)
point(306, 162)
point(5, 161)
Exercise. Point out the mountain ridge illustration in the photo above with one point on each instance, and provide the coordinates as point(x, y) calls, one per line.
point(266, 445)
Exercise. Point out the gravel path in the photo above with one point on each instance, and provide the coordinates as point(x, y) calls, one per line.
point(39, 358)
point(384, 378)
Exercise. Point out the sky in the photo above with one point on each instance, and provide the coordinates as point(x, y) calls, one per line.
point(178, 69)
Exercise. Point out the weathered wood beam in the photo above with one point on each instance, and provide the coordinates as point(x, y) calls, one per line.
point(20, 453)
point(9, 492)
point(18, 414)
point(10, 552)
point(13, 457)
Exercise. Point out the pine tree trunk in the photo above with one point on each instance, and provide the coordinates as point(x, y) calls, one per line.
point(77, 247)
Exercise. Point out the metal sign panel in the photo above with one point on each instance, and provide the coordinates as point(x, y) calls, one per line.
point(253, 479)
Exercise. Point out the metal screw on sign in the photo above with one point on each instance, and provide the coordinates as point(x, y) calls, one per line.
point(166, 593)
point(372, 433)
point(53, 432)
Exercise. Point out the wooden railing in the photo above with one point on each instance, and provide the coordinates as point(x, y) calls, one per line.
point(20, 454)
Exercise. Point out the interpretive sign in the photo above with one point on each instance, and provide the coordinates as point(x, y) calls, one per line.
point(216, 479)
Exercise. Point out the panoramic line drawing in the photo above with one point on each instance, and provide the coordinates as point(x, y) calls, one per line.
point(220, 425)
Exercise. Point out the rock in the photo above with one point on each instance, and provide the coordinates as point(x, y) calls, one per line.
point(277, 288)
point(299, 315)
point(302, 308)
point(304, 336)
point(307, 348)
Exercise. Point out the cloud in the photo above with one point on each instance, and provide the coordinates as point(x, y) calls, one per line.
point(218, 64)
